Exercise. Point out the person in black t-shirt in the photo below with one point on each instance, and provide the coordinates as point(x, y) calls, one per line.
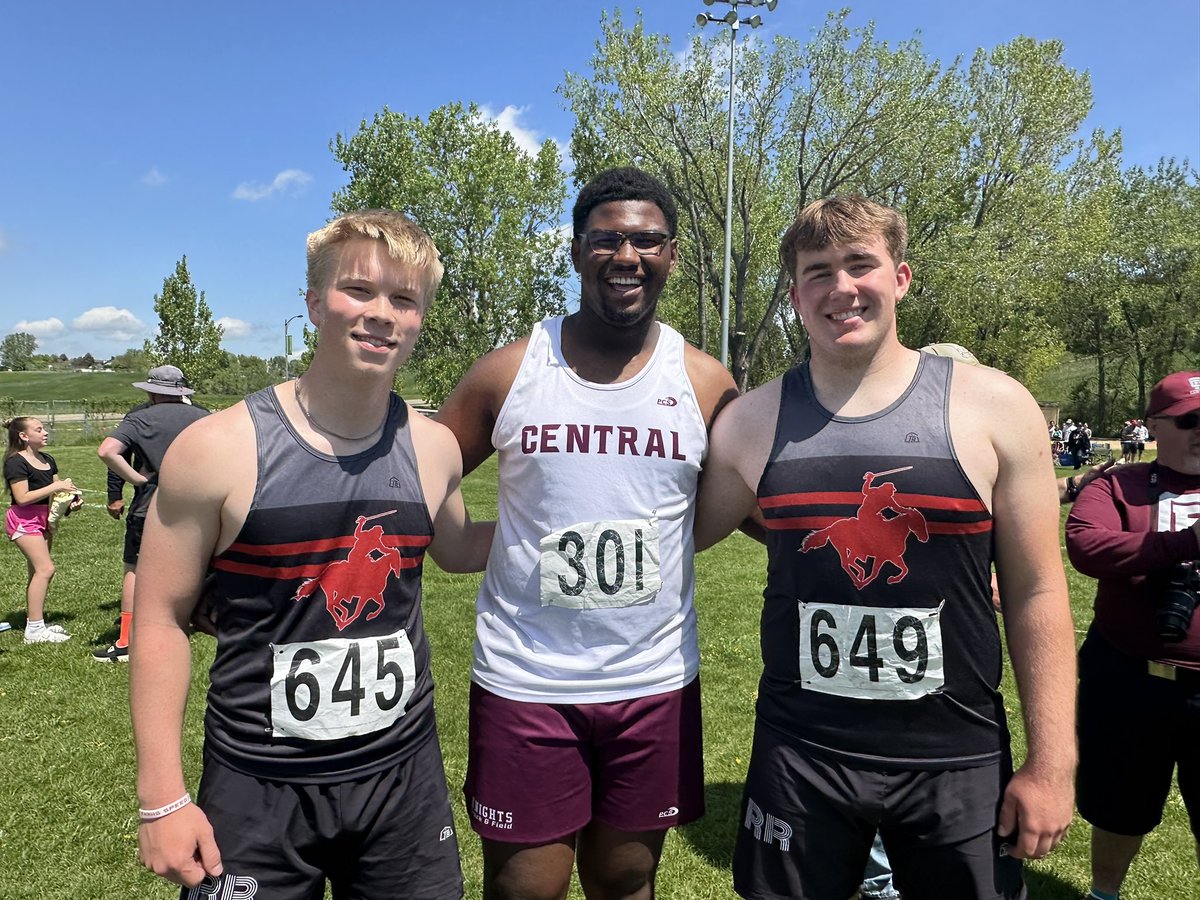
point(143, 437)
point(32, 479)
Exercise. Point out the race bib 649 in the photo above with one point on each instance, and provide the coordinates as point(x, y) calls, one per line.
point(871, 653)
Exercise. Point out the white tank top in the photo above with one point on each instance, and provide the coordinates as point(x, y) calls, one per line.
point(588, 591)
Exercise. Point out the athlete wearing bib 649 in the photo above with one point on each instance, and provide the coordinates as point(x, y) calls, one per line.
point(315, 501)
point(585, 718)
point(886, 479)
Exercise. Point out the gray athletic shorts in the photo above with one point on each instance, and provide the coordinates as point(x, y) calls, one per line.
point(387, 835)
point(808, 820)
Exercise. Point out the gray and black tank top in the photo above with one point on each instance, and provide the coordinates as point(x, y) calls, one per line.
point(879, 639)
point(322, 665)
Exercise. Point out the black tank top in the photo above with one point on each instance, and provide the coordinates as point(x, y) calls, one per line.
point(879, 639)
point(322, 665)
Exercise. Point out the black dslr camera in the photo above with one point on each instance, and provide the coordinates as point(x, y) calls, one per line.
point(1177, 603)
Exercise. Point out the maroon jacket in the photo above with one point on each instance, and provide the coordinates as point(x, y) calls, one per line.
point(1115, 534)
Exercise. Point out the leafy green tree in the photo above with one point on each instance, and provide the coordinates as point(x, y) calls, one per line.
point(134, 359)
point(187, 336)
point(239, 374)
point(977, 160)
point(16, 351)
point(493, 211)
point(1157, 242)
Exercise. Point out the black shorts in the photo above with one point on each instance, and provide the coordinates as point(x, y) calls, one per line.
point(386, 835)
point(134, 526)
point(1134, 729)
point(808, 819)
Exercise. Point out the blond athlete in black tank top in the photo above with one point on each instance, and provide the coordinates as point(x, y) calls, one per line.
point(371, 277)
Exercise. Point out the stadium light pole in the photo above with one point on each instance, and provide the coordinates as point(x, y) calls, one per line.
point(287, 345)
point(734, 22)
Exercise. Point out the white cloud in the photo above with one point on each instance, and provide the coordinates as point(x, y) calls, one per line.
point(527, 139)
point(288, 181)
point(42, 328)
point(154, 178)
point(234, 328)
point(506, 119)
point(3, 242)
point(110, 322)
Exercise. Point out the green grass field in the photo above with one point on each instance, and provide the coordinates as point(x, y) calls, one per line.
point(70, 385)
point(68, 824)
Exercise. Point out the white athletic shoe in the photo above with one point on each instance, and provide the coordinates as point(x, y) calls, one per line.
point(48, 634)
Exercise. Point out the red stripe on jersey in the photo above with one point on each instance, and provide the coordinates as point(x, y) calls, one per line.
point(305, 547)
point(812, 523)
point(854, 498)
point(283, 573)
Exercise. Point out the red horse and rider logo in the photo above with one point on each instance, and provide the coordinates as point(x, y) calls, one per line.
point(875, 536)
point(351, 584)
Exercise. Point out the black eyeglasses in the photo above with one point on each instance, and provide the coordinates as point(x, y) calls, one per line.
point(646, 243)
point(1186, 422)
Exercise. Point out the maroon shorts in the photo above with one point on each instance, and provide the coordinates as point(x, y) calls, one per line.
point(541, 771)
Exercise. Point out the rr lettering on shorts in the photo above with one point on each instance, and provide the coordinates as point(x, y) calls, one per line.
point(496, 818)
point(767, 828)
point(226, 887)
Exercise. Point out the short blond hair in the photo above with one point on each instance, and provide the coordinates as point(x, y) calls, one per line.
point(843, 220)
point(406, 243)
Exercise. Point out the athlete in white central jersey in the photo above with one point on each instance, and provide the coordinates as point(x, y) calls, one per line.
point(585, 706)
point(611, 614)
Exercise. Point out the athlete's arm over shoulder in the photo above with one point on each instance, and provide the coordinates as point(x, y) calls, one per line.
point(471, 409)
point(1039, 800)
point(739, 446)
point(207, 477)
point(459, 545)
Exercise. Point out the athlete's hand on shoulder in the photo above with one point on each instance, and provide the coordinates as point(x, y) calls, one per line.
point(1036, 812)
point(180, 847)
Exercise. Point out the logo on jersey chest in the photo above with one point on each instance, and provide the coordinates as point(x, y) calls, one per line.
point(354, 584)
point(874, 537)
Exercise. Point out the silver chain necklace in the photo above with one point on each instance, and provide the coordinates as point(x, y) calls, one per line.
point(325, 430)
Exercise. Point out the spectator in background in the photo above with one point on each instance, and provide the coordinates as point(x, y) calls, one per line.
point(1137, 530)
point(116, 484)
point(1140, 437)
point(1128, 441)
point(144, 436)
point(32, 478)
point(1080, 445)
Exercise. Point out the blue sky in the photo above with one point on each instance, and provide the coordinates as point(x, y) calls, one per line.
point(137, 132)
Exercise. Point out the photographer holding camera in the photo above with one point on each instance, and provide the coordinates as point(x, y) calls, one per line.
point(1136, 528)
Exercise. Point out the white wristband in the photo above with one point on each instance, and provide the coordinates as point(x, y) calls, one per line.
point(149, 815)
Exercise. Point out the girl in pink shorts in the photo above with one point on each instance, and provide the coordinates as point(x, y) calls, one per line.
point(32, 478)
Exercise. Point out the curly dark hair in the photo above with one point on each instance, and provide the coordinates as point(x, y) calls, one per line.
point(624, 183)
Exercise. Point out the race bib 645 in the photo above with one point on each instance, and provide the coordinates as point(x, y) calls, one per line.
point(336, 688)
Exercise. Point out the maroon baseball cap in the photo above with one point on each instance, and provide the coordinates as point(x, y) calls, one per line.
point(1175, 395)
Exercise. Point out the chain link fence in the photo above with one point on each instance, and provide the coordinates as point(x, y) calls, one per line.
point(69, 421)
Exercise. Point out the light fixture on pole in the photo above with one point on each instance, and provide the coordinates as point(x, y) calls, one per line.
point(287, 345)
point(731, 19)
